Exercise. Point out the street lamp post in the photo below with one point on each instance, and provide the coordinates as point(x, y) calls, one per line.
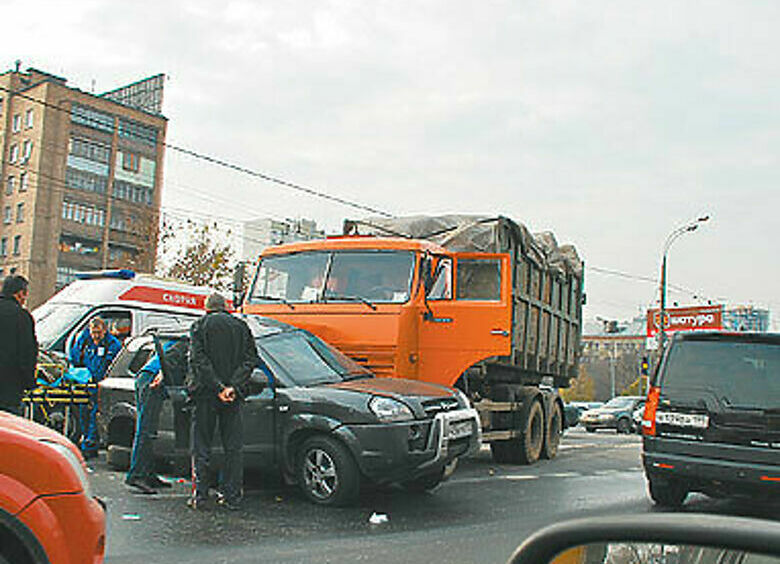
point(673, 236)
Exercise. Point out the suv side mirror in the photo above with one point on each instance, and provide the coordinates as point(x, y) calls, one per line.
point(258, 381)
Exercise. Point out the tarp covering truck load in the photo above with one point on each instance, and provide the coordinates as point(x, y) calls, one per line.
point(477, 303)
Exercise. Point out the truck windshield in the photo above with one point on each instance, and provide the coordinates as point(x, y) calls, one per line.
point(54, 320)
point(374, 276)
point(739, 374)
point(307, 360)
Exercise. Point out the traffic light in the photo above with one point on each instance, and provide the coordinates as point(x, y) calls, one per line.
point(644, 366)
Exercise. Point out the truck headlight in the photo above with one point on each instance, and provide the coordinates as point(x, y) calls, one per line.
point(389, 410)
point(75, 463)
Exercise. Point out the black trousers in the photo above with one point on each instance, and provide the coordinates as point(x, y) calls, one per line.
point(208, 412)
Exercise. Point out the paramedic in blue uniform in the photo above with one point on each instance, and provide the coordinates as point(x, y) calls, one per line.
point(95, 349)
point(149, 397)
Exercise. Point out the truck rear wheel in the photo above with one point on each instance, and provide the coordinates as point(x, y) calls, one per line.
point(526, 447)
point(552, 438)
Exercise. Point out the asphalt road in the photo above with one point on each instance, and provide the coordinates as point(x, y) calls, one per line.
point(480, 515)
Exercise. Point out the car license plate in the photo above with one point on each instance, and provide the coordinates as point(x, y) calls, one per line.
point(695, 420)
point(459, 429)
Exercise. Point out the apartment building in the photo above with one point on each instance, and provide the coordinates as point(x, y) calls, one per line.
point(81, 178)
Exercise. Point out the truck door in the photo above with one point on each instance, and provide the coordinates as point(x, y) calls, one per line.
point(468, 317)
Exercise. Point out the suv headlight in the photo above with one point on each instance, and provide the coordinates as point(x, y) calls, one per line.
point(75, 463)
point(389, 410)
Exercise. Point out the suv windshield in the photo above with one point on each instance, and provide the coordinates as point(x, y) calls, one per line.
point(375, 276)
point(308, 361)
point(740, 374)
point(53, 320)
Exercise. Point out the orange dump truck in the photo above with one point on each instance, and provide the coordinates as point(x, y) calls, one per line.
point(471, 302)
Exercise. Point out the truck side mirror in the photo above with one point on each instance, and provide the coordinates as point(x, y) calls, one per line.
point(238, 284)
point(426, 273)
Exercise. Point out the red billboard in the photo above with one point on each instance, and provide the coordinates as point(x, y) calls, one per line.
point(700, 318)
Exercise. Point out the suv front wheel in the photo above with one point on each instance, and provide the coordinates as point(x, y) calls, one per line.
point(326, 472)
point(667, 493)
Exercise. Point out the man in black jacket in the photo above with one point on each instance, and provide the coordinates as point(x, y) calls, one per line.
point(18, 345)
point(222, 357)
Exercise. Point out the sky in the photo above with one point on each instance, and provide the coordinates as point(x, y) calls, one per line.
point(608, 122)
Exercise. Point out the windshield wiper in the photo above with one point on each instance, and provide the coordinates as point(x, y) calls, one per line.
point(275, 299)
point(349, 299)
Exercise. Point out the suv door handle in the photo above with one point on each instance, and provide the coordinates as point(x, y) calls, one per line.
point(502, 332)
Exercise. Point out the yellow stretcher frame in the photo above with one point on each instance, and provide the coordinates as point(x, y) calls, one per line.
point(68, 394)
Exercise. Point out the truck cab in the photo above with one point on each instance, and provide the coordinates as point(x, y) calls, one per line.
point(400, 307)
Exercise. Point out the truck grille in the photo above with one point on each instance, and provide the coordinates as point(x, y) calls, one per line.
point(379, 359)
point(439, 405)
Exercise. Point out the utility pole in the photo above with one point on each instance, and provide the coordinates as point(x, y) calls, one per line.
point(673, 236)
point(612, 362)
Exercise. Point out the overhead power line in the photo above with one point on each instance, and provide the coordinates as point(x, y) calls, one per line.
point(232, 166)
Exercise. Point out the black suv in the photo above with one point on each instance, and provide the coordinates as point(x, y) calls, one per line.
point(712, 421)
point(322, 419)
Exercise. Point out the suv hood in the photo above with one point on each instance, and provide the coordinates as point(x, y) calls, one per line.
point(396, 388)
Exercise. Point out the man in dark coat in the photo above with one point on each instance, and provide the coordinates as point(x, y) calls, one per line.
point(222, 357)
point(18, 344)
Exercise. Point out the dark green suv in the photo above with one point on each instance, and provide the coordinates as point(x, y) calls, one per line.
point(312, 413)
point(712, 421)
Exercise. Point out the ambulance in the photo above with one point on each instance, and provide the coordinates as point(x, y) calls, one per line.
point(130, 303)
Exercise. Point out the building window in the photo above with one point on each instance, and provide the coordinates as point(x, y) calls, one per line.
point(137, 132)
point(4, 247)
point(7, 215)
point(20, 212)
point(28, 119)
point(131, 162)
point(17, 245)
point(9, 185)
point(14, 154)
point(23, 181)
point(17, 123)
point(81, 180)
point(27, 151)
point(90, 150)
point(89, 117)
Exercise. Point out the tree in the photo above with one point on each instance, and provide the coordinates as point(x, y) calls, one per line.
point(582, 388)
point(200, 255)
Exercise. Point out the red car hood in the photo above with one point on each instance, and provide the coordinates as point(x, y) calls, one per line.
point(33, 430)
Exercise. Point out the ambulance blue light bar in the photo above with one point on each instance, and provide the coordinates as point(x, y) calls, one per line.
point(121, 274)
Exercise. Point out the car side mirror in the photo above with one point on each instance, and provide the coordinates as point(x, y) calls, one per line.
point(681, 538)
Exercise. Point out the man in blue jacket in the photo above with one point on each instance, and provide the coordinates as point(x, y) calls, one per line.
point(149, 396)
point(95, 349)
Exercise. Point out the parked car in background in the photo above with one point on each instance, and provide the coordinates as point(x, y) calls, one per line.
point(616, 414)
point(712, 423)
point(317, 416)
point(47, 511)
point(571, 416)
point(583, 406)
point(636, 418)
